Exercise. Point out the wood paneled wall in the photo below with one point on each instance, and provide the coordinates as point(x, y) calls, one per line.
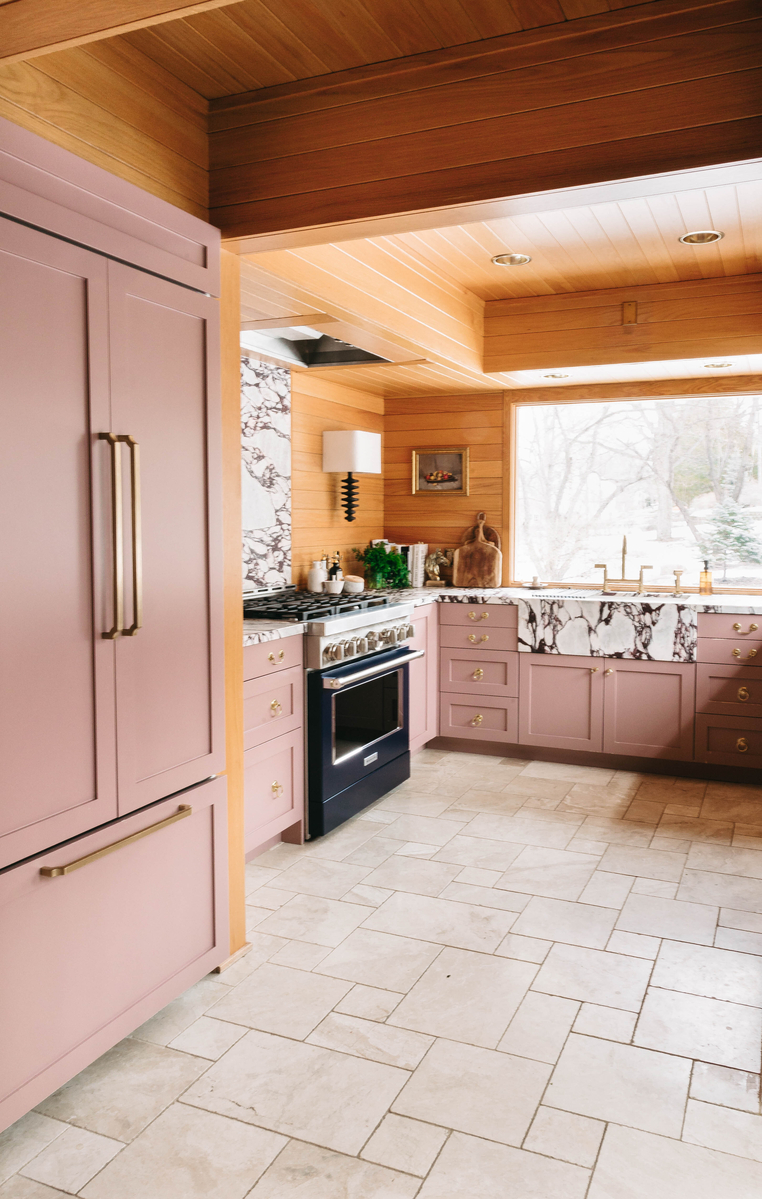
point(670, 320)
point(318, 520)
point(668, 85)
point(116, 108)
point(452, 421)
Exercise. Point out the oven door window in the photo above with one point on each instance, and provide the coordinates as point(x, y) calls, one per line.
point(366, 713)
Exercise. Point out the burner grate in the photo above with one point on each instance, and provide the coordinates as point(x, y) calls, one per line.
point(303, 606)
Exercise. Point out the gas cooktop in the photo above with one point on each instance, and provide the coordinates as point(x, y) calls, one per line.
point(290, 604)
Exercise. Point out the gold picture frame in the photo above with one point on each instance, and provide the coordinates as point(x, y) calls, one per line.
point(451, 464)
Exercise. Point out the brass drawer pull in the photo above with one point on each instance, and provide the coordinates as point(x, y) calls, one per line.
point(736, 652)
point(277, 789)
point(743, 694)
point(485, 616)
point(57, 871)
point(271, 657)
point(609, 671)
point(752, 653)
point(742, 745)
point(275, 707)
point(478, 674)
point(477, 721)
point(751, 629)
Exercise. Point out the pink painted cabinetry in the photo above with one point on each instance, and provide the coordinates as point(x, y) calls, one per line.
point(424, 696)
point(729, 690)
point(479, 672)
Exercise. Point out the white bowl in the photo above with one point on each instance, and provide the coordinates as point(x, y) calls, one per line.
point(334, 586)
point(353, 587)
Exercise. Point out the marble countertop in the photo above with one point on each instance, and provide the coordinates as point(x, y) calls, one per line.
point(736, 604)
point(257, 631)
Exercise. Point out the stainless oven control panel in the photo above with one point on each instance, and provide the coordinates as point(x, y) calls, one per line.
point(343, 638)
point(366, 643)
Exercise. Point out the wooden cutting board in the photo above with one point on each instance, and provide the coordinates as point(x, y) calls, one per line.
point(478, 563)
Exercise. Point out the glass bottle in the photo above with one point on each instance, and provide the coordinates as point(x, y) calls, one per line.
point(705, 580)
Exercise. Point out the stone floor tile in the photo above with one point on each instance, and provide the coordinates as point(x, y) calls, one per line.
point(465, 996)
point(671, 918)
point(748, 836)
point(272, 898)
point(283, 1085)
point(424, 828)
point(71, 1160)
point(371, 1003)
point(571, 1138)
point(319, 921)
point(372, 1040)
point(393, 963)
point(259, 876)
point(734, 938)
point(542, 803)
point(374, 852)
point(645, 811)
point(341, 842)
point(607, 890)
point(372, 897)
point(475, 1090)
point(469, 1166)
point(716, 973)
point(522, 830)
point(686, 828)
point(263, 947)
point(181, 1012)
point(583, 845)
point(678, 809)
point(124, 1090)
point(486, 897)
point(189, 1154)
point(594, 976)
point(652, 886)
point(608, 1023)
point(25, 1139)
point(464, 926)
point(254, 916)
point(411, 874)
point(300, 955)
point(606, 802)
point(481, 800)
point(639, 1165)
point(476, 877)
point(648, 863)
point(730, 801)
point(208, 1038)
point(749, 921)
point(621, 1083)
point(479, 852)
point(560, 920)
point(723, 1128)
point(525, 949)
point(376, 816)
point(572, 774)
point(536, 788)
point(308, 1172)
point(404, 1144)
point(413, 849)
point(711, 1030)
point(726, 1087)
point(724, 890)
point(318, 876)
point(554, 873)
point(745, 863)
point(278, 857)
point(280, 1000)
point(19, 1187)
point(634, 944)
point(540, 1027)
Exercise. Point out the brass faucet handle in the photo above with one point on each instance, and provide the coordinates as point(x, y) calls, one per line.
point(640, 580)
point(604, 567)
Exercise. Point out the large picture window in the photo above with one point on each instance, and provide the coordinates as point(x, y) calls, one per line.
point(681, 478)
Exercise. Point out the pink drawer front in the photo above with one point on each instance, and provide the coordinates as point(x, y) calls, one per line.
point(485, 719)
point(273, 788)
point(272, 706)
point(481, 616)
point(472, 672)
point(727, 624)
point(729, 690)
point(479, 639)
point(90, 955)
point(270, 656)
point(729, 740)
point(742, 651)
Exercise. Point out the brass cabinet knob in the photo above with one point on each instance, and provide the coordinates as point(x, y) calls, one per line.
point(742, 745)
point(594, 669)
point(478, 674)
point(736, 652)
point(484, 637)
point(477, 721)
point(277, 789)
point(743, 694)
point(272, 657)
point(609, 671)
point(275, 707)
point(473, 616)
point(752, 653)
point(737, 627)
point(472, 636)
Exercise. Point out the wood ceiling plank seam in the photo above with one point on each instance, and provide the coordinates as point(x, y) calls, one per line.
point(369, 38)
point(285, 46)
point(190, 74)
point(412, 35)
point(681, 289)
point(666, 212)
point(613, 220)
point(640, 219)
point(438, 13)
point(448, 258)
point(551, 259)
point(416, 276)
point(564, 43)
point(694, 214)
point(208, 37)
point(534, 13)
point(725, 215)
point(433, 270)
point(494, 18)
point(122, 97)
point(238, 46)
point(748, 206)
point(602, 252)
point(40, 95)
point(117, 54)
point(181, 50)
point(312, 27)
point(572, 9)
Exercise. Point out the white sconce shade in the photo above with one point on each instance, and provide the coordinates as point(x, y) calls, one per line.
point(353, 451)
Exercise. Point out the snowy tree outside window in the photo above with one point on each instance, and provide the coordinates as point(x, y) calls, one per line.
point(682, 478)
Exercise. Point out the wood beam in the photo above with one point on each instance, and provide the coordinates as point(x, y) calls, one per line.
point(32, 27)
point(703, 317)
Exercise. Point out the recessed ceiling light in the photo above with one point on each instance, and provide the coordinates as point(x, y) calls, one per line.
point(511, 259)
point(555, 376)
point(715, 366)
point(702, 237)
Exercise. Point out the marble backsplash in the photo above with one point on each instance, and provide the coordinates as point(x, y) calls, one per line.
point(266, 472)
point(601, 628)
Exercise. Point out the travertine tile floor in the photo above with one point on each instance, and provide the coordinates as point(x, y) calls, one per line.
point(506, 980)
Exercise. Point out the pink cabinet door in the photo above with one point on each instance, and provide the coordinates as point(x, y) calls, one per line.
point(649, 709)
point(165, 395)
point(56, 694)
point(561, 701)
point(91, 954)
point(272, 706)
point(486, 718)
point(423, 677)
point(470, 672)
point(273, 789)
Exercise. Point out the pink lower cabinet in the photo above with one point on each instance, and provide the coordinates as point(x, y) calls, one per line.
point(272, 706)
point(488, 718)
point(729, 690)
point(424, 695)
point(470, 672)
point(648, 708)
point(729, 740)
point(561, 701)
point(91, 952)
point(273, 788)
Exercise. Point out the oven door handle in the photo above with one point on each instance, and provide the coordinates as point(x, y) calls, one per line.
point(383, 668)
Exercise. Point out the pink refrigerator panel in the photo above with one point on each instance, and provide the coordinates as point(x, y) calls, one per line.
point(56, 699)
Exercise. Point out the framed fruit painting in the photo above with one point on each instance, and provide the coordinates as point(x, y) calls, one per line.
point(440, 472)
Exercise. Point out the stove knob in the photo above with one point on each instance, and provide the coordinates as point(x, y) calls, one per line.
point(362, 645)
point(402, 632)
point(336, 652)
point(372, 639)
point(410, 631)
point(327, 653)
point(388, 636)
point(349, 647)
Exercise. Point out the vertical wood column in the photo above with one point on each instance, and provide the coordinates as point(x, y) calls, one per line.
point(231, 494)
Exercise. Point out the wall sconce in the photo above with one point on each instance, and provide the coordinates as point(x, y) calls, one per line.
point(353, 451)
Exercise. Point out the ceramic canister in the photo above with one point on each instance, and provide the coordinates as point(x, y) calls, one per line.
point(316, 576)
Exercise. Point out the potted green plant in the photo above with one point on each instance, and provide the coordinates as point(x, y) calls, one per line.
point(383, 568)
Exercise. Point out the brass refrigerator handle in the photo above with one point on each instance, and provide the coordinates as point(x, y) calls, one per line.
point(117, 541)
point(58, 871)
point(137, 535)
